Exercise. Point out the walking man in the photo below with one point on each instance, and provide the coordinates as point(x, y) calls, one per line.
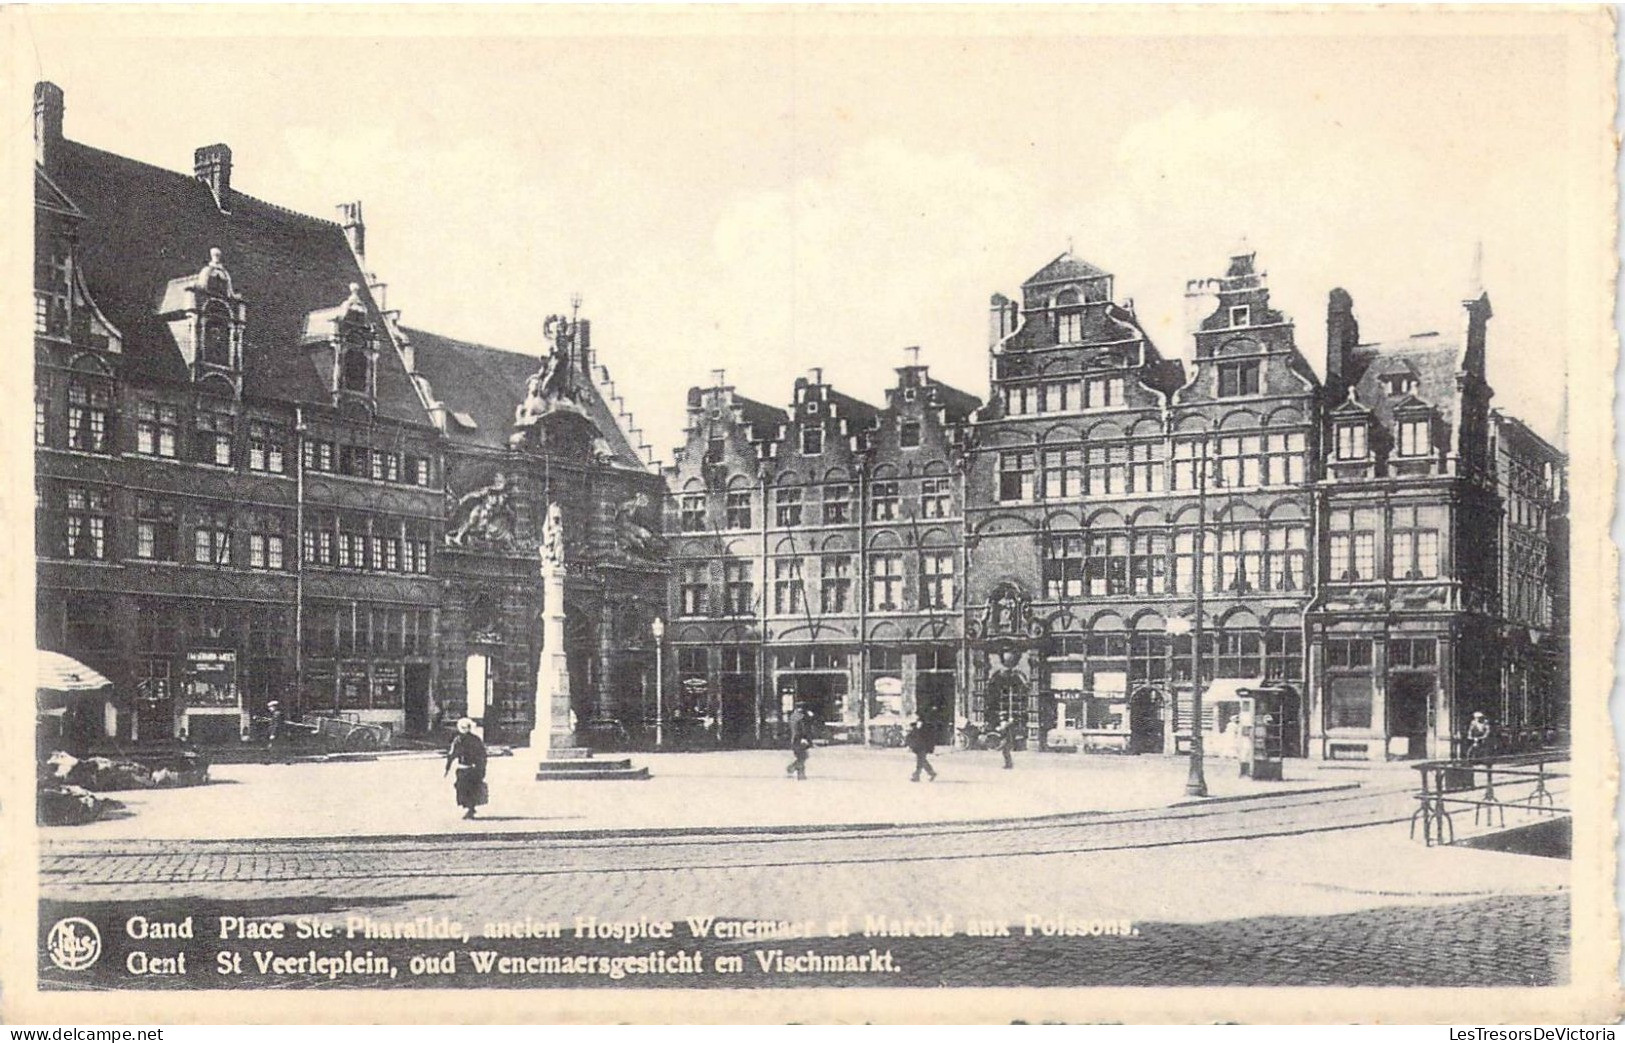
point(1478, 734)
point(918, 739)
point(800, 743)
point(1007, 741)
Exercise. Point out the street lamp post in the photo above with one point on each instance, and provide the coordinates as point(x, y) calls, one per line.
point(658, 628)
point(1196, 781)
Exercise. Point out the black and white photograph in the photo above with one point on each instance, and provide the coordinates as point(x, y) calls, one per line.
point(902, 514)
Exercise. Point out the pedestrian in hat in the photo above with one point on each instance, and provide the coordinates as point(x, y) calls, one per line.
point(800, 743)
point(468, 752)
point(276, 725)
point(1478, 734)
point(919, 740)
point(1007, 740)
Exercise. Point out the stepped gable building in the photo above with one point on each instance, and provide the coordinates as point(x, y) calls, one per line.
point(815, 557)
point(248, 488)
point(1086, 501)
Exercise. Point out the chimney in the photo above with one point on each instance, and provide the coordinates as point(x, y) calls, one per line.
point(212, 165)
point(47, 122)
point(1001, 321)
point(1342, 334)
point(349, 218)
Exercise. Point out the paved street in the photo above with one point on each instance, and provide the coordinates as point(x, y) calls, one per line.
point(1312, 888)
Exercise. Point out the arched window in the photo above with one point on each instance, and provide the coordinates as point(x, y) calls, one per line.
point(216, 335)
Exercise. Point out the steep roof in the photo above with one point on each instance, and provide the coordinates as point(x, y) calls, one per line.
point(487, 384)
point(958, 404)
point(145, 226)
point(1433, 360)
point(1065, 268)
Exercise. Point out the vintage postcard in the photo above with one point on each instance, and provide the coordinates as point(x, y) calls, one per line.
point(811, 514)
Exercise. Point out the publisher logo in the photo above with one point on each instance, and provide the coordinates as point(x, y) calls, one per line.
point(73, 944)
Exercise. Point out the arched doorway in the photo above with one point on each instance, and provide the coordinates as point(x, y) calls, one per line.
point(1146, 708)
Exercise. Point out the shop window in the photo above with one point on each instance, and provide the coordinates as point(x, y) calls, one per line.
point(1348, 702)
point(1348, 653)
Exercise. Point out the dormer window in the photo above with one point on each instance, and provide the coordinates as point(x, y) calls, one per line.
point(1399, 384)
point(1413, 437)
point(216, 335)
point(1351, 441)
point(1240, 315)
point(355, 366)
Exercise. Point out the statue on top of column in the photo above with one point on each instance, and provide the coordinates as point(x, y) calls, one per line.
point(551, 548)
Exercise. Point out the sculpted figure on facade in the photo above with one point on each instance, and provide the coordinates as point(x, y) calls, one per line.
point(484, 517)
point(551, 549)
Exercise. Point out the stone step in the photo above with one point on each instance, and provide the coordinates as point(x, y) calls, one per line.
point(576, 767)
point(570, 753)
point(608, 771)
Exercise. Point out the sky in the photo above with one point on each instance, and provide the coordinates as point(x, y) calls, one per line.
point(766, 192)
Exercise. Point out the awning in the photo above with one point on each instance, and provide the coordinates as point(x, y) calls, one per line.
point(55, 672)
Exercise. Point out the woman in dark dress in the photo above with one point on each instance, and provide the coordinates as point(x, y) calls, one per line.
point(468, 753)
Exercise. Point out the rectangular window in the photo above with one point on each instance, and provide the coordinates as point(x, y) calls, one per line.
point(1416, 542)
point(716, 448)
point(812, 440)
point(837, 504)
point(157, 529)
point(417, 470)
point(694, 589)
point(787, 507)
point(1351, 441)
point(1016, 477)
point(1283, 655)
point(738, 510)
point(937, 579)
point(386, 466)
point(935, 498)
point(1287, 558)
point(835, 582)
point(157, 429)
point(1148, 566)
point(1107, 470)
point(691, 512)
point(211, 535)
point(1103, 392)
point(908, 435)
point(1413, 652)
point(1240, 314)
point(265, 447)
point(265, 550)
point(42, 415)
point(418, 537)
point(739, 589)
point(1063, 568)
point(1022, 400)
point(213, 436)
point(1283, 458)
point(1353, 544)
point(1413, 438)
point(86, 522)
point(1185, 561)
point(1069, 327)
point(1238, 378)
point(1063, 473)
point(788, 587)
point(88, 409)
point(1055, 396)
point(1348, 653)
point(356, 461)
point(1106, 568)
point(319, 455)
point(1188, 455)
point(1145, 467)
point(885, 582)
point(883, 501)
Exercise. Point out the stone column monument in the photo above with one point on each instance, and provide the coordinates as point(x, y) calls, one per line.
point(553, 731)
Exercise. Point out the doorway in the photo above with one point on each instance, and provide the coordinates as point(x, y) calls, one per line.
point(1145, 722)
point(1006, 699)
point(823, 694)
point(1409, 698)
point(415, 683)
point(934, 699)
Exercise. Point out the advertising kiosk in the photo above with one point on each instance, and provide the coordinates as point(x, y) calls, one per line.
point(1261, 750)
